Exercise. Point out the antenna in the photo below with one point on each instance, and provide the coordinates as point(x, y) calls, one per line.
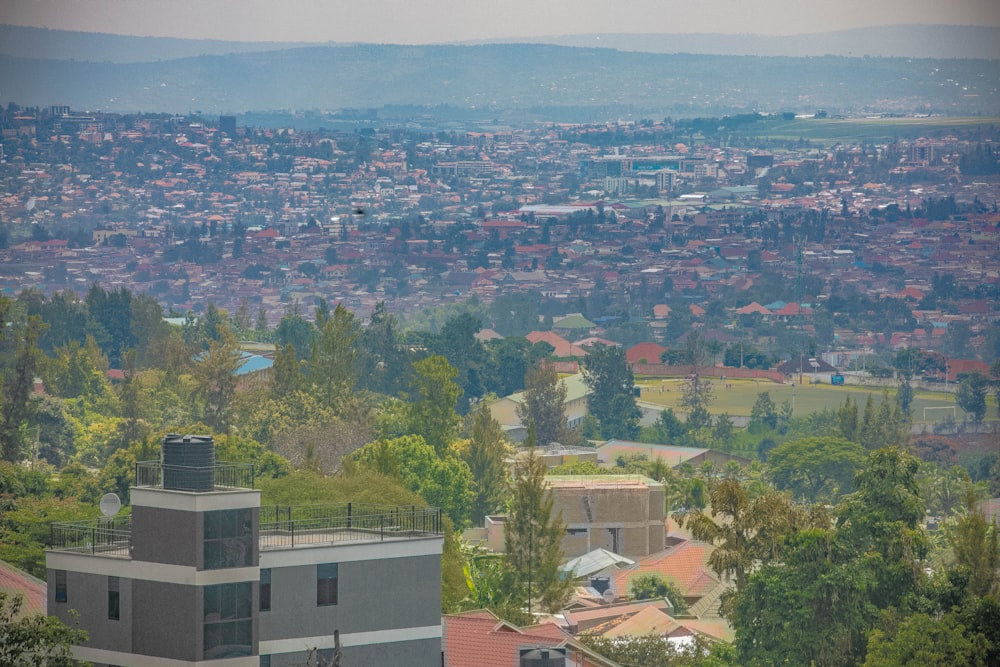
point(110, 505)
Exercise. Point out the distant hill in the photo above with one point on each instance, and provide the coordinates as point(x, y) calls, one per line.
point(45, 44)
point(896, 41)
point(544, 78)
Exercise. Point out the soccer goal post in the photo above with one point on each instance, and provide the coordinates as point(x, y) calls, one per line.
point(940, 407)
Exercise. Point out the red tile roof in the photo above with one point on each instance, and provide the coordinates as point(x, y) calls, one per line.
point(15, 581)
point(480, 639)
point(685, 565)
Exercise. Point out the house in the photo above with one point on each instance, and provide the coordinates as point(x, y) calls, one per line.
point(200, 573)
point(563, 348)
point(504, 410)
point(644, 353)
point(480, 639)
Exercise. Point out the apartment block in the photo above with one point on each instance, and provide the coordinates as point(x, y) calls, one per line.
point(200, 573)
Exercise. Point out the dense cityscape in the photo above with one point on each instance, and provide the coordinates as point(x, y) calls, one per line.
point(713, 391)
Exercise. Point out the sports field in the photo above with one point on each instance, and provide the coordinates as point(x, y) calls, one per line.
point(739, 399)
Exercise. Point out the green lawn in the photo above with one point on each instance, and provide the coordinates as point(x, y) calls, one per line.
point(846, 129)
point(808, 398)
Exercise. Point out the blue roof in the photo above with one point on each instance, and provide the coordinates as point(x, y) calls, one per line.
point(253, 364)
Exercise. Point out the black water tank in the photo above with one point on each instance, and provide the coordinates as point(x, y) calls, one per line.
point(543, 657)
point(188, 462)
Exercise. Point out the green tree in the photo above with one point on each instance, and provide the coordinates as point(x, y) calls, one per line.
point(697, 393)
point(880, 521)
point(807, 608)
point(971, 394)
point(28, 640)
point(816, 469)
point(533, 536)
point(215, 376)
point(432, 415)
point(543, 406)
point(486, 457)
point(286, 376)
point(611, 400)
point(764, 414)
point(332, 369)
point(385, 362)
point(19, 338)
point(847, 420)
point(652, 586)
point(920, 640)
point(885, 426)
point(746, 531)
point(443, 481)
point(976, 545)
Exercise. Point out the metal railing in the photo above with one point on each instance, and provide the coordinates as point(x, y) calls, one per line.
point(223, 475)
point(296, 525)
point(104, 537)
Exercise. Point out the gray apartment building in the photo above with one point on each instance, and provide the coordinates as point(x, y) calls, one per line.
point(201, 574)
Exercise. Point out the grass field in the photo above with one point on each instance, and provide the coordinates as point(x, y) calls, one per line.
point(855, 129)
point(807, 398)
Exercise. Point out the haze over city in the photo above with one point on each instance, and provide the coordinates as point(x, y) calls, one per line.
point(437, 21)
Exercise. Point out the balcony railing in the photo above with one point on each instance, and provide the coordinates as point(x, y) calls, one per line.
point(220, 476)
point(297, 525)
point(104, 537)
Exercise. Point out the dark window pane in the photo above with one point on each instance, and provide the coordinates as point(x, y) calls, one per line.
point(113, 606)
point(265, 589)
point(61, 595)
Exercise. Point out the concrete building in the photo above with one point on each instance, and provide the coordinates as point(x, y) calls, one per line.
point(624, 514)
point(201, 574)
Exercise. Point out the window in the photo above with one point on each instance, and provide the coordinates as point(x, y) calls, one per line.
point(228, 620)
point(326, 584)
point(61, 586)
point(265, 589)
point(265, 661)
point(114, 601)
point(228, 539)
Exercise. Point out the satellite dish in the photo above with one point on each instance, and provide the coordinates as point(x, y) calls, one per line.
point(110, 504)
point(609, 596)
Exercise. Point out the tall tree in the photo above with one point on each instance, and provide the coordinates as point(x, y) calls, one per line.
point(432, 412)
point(697, 392)
point(976, 545)
point(385, 362)
point(19, 337)
point(746, 531)
point(881, 520)
point(332, 368)
point(544, 404)
point(457, 342)
point(215, 375)
point(533, 536)
point(487, 459)
point(971, 394)
point(611, 400)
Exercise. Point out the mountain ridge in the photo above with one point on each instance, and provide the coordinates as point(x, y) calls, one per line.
point(503, 77)
point(904, 41)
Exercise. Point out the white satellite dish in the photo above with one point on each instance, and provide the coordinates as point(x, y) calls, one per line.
point(110, 504)
point(609, 596)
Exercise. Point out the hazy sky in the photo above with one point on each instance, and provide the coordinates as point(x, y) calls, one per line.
point(427, 21)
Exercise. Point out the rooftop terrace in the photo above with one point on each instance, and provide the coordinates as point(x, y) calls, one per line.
point(281, 527)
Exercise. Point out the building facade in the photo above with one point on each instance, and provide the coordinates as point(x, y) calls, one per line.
point(201, 574)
